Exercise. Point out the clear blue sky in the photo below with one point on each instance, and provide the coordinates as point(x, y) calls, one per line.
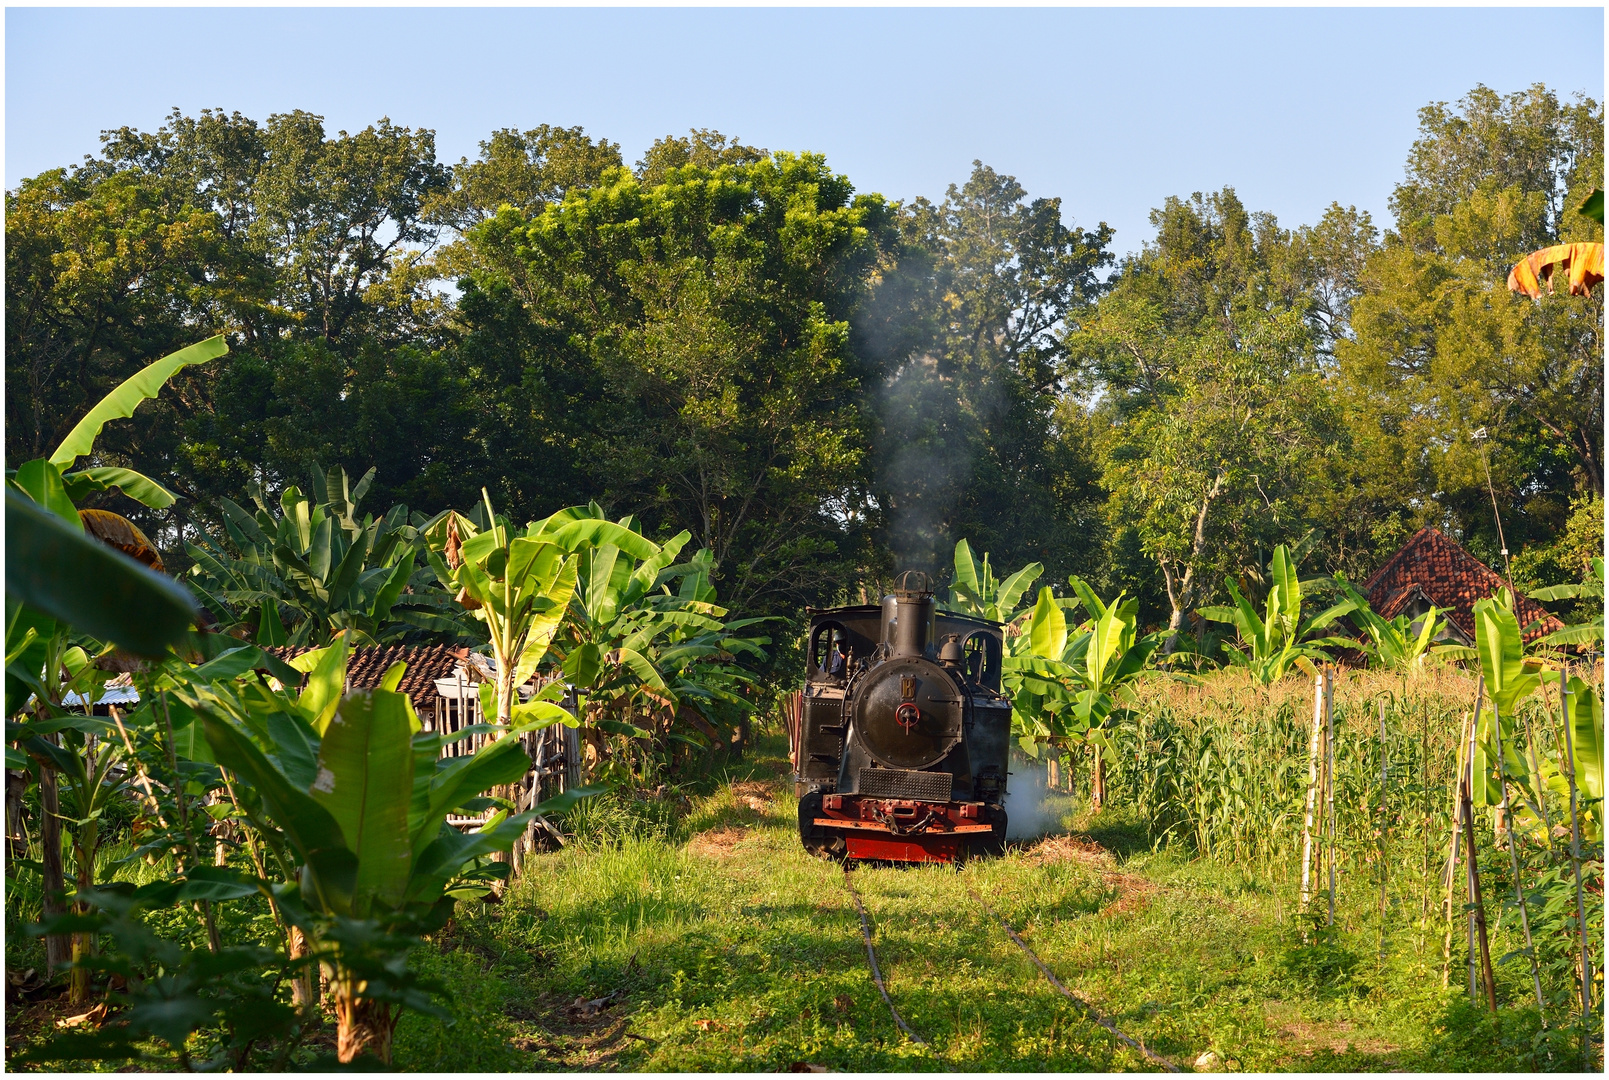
point(1113, 110)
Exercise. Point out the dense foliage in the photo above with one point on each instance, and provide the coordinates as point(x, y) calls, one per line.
point(819, 386)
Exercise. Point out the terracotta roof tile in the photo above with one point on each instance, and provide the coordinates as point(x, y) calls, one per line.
point(365, 666)
point(1452, 578)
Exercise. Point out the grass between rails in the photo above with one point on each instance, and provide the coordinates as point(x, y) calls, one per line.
point(715, 943)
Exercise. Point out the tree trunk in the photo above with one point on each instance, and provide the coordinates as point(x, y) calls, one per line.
point(57, 952)
point(1182, 597)
point(302, 984)
point(362, 1024)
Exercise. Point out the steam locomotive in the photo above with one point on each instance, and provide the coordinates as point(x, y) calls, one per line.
point(900, 753)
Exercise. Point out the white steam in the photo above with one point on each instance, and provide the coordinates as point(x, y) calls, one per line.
point(1030, 811)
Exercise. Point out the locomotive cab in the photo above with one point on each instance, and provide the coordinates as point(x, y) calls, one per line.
point(902, 749)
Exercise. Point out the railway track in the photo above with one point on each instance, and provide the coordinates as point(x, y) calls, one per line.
point(1084, 1006)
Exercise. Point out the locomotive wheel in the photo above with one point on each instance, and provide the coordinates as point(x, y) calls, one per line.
point(814, 838)
point(995, 843)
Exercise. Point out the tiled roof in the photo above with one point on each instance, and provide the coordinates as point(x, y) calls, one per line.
point(1450, 577)
point(365, 666)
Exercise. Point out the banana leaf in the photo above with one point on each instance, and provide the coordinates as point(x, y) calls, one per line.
point(99, 591)
point(127, 397)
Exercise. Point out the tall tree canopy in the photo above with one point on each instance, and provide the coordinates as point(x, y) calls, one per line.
point(822, 387)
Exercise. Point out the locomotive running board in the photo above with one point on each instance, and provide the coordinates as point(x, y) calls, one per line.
point(875, 826)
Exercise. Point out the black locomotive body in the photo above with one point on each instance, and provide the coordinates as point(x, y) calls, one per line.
point(901, 750)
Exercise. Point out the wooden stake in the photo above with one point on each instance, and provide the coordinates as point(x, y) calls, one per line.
point(1452, 859)
point(1312, 787)
point(1475, 895)
point(1575, 860)
point(1514, 863)
point(1329, 776)
point(1466, 780)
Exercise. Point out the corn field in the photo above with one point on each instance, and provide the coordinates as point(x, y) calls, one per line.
point(1221, 765)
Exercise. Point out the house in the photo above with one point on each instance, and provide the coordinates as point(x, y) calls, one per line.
point(1433, 569)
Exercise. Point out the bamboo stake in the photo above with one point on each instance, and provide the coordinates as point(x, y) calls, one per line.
point(1382, 831)
point(1466, 780)
point(1452, 858)
point(1329, 772)
point(1514, 863)
point(1575, 860)
point(1312, 787)
point(1475, 895)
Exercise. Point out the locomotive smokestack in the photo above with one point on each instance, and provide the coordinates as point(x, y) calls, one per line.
point(912, 631)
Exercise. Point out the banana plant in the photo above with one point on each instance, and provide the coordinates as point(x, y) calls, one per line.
point(1067, 685)
point(1589, 633)
point(121, 402)
point(975, 591)
point(519, 585)
point(1395, 645)
point(61, 583)
point(631, 644)
point(1510, 677)
point(1278, 639)
point(317, 569)
point(361, 806)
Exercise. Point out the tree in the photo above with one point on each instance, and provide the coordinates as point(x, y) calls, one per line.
point(1440, 349)
point(308, 249)
point(528, 170)
point(711, 311)
point(1214, 413)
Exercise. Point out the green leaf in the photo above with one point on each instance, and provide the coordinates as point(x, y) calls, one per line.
point(581, 666)
point(270, 631)
point(1586, 729)
point(365, 778)
point(966, 571)
point(127, 397)
point(216, 883)
point(501, 762)
point(1048, 627)
point(311, 830)
point(620, 727)
point(1013, 587)
point(325, 684)
point(43, 483)
point(1502, 655)
point(137, 486)
point(537, 714)
point(1289, 588)
point(86, 584)
point(567, 800)
point(393, 676)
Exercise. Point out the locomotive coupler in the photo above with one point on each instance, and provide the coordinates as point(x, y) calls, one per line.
point(901, 817)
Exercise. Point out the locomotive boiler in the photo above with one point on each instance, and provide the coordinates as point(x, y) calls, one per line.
point(901, 750)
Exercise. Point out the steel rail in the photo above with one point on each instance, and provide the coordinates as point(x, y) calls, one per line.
point(871, 957)
point(1074, 998)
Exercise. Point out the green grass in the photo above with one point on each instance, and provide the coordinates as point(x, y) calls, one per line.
point(717, 944)
point(726, 948)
